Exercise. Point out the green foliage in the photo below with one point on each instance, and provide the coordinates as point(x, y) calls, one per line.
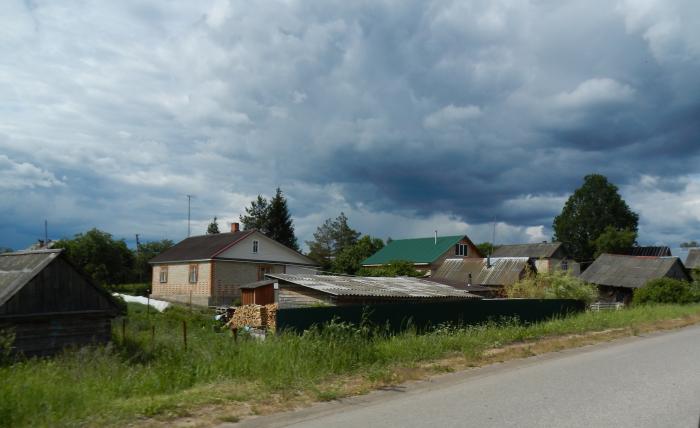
point(271, 218)
point(133, 379)
point(486, 248)
point(665, 290)
point(106, 260)
point(350, 258)
point(6, 250)
point(394, 268)
point(257, 215)
point(588, 212)
point(213, 227)
point(280, 226)
point(133, 289)
point(552, 285)
point(7, 338)
point(614, 240)
point(144, 253)
point(689, 244)
point(331, 239)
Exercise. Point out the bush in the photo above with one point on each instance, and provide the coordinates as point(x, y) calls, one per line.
point(552, 285)
point(394, 268)
point(665, 290)
point(138, 289)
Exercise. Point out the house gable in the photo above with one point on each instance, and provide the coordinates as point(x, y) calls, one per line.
point(420, 250)
point(266, 250)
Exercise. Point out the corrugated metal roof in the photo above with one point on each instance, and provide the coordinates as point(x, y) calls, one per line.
point(419, 250)
point(503, 270)
point(693, 259)
point(617, 270)
point(647, 251)
point(399, 287)
point(536, 251)
point(18, 268)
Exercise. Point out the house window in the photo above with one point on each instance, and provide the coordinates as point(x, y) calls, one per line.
point(461, 250)
point(255, 247)
point(163, 274)
point(564, 265)
point(193, 274)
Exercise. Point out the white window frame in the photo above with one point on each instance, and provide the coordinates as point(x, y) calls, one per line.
point(163, 275)
point(256, 246)
point(462, 250)
point(193, 274)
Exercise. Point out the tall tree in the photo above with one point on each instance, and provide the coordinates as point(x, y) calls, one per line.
point(213, 227)
point(322, 248)
point(343, 235)
point(588, 212)
point(280, 226)
point(106, 260)
point(257, 216)
point(330, 239)
point(350, 258)
point(614, 241)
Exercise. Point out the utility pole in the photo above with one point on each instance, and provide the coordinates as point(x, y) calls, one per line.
point(189, 199)
point(137, 257)
point(46, 233)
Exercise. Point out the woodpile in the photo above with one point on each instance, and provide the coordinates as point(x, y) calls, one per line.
point(271, 316)
point(255, 316)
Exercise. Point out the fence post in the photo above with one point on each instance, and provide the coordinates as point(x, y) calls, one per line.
point(184, 333)
point(153, 337)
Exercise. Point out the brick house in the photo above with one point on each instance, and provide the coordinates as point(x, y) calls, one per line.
point(426, 254)
point(210, 269)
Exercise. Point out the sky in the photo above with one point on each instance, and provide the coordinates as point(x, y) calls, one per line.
point(408, 116)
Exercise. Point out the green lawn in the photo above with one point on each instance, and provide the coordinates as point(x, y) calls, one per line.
point(140, 378)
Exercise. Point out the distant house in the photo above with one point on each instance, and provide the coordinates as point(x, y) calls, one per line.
point(618, 275)
point(210, 269)
point(295, 291)
point(491, 272)
point(50, 304)
point(545, 256)
point(426, 254)
point(693, 259)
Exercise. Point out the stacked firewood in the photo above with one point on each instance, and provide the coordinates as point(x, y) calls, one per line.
point(271, 316)
point(249, 315)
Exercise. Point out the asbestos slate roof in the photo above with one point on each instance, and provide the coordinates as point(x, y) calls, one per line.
point(533, 251)
point(693, 259)
point(503, 270)
point(199, 247)
point(418, 250)
point(629, 271)
point(18, 268)
point(399, 287)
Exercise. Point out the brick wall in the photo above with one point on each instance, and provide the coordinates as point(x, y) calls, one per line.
point(178, 280)
point(229, 276)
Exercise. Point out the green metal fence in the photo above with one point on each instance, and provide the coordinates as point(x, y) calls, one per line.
point(398, 316)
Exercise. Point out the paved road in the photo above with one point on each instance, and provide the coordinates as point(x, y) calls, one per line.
point(642, 382)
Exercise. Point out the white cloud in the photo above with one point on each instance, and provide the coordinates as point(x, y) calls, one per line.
point(24, 175)
point(595, 92)
point(451, 115)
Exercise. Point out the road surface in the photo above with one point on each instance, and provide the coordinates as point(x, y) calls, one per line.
point(652, 381)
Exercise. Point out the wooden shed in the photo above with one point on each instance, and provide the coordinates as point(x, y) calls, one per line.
point(49, 304)
point(258, 293)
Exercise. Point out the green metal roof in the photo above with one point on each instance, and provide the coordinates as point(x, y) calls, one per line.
point(418, 250)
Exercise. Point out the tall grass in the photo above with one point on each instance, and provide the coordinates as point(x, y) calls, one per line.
point(136, 377)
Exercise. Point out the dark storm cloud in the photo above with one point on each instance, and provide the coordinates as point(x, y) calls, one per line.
point(402, 114)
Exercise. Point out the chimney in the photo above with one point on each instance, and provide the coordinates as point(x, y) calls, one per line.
point(234, 227)
point(436, 237)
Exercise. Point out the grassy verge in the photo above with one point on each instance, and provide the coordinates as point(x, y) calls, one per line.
point(141, 380)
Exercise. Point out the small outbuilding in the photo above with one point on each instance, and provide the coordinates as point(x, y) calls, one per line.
point(49, 304)
point(295, 291)
point(258, 293)
point(544, 256)
point(693, 260)
point(490, 272)
point(617, 276)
